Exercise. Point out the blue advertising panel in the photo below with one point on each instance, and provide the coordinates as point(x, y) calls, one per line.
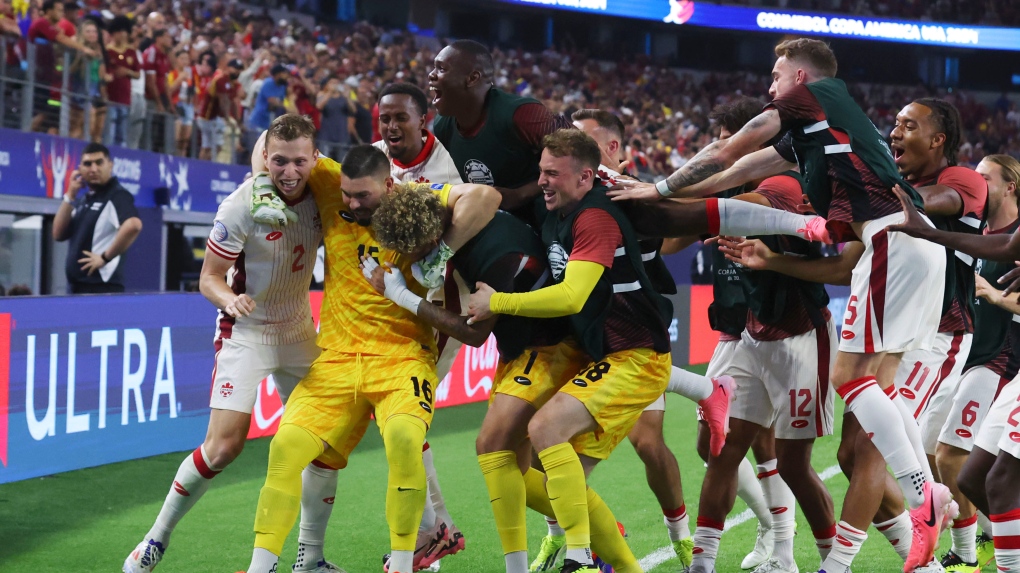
point(795, 22)
point(40, 165)
point(92, 380)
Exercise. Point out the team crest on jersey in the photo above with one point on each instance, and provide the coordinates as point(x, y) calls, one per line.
point(436, 186)
point(219, 231)
point(478, 173)
point(557, 259)
point(346, 216)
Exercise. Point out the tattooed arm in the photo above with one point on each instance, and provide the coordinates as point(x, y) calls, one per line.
point(710, 161)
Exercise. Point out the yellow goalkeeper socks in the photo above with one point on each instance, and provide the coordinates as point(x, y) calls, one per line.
point(566, 486)
point(291, 450)
point(507, 494)
point(403, 436)
point(606, 538)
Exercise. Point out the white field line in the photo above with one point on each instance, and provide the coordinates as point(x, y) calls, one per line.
point(663, 554)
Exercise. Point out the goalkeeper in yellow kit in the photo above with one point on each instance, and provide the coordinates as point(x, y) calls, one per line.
point(376, 356)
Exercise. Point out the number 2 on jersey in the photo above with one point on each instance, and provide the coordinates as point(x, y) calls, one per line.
point(299, 253)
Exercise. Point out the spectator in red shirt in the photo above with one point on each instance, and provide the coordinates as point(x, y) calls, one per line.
point(69, 23)
point(156, 63)
point(123, 66)
point(44, 33)
point(219, 106)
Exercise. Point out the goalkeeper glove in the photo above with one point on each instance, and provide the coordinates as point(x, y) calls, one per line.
point(430, 271)
point(395, 286)
point(266, 206)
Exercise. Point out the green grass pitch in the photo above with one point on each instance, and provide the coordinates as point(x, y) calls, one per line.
point(89, 520)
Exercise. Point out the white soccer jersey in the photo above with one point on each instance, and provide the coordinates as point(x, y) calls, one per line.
point(273, 265)
point(433, 164)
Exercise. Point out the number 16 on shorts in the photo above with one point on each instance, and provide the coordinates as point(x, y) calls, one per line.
point(423, 390)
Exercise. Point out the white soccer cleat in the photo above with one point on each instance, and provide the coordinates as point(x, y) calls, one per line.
point(772, 565)
point(322, 567)
point(434, 567)
point(763, 545)
point(144, 558)
point(933, 567)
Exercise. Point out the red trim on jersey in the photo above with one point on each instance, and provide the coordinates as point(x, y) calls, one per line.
point(203, 468)
point(822, 345)
point(220, 251)
point(853, 388)
point(712, 212)
point(301, 198)
point(947, 367)
point(423, 155)
point(879, 276)
point(825, 534)
point(769, 473)
point(710, 523)
point(961, 523)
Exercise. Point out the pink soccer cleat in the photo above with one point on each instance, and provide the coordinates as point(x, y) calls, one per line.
point(927, 520)
point(716, 411)
point(454, 543)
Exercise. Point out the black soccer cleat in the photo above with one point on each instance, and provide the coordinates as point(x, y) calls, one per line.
point(571, 566)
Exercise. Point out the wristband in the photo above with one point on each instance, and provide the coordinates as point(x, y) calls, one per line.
point(103, 256)
point(663, 188)
point(68, 200)
point(407, 300)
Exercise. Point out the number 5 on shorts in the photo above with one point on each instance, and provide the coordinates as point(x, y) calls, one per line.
point(423, 389)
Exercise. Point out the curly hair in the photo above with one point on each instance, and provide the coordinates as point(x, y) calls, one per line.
point(409, 219)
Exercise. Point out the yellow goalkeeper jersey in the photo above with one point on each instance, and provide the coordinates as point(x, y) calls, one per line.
point(354, 318)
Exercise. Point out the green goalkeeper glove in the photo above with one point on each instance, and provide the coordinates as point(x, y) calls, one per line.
point(430, 271)
point(267, 206)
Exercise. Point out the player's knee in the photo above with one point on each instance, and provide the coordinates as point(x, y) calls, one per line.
point(1002, 476)
point(648, 445)
point(402, 434)
point(489, 441)
point(971, 482)
point(845, 456)
point(223, 451)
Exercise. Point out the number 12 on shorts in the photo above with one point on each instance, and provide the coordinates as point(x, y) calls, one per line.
point(423, 389)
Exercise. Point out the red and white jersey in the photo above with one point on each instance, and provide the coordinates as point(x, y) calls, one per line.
point(432, 165)
point(272, 265)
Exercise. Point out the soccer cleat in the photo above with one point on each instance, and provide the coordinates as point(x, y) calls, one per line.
point(684, 551)
point(933, 566)
point(427, 543)
point(571, 566)
point(985, 549)
point(452, 544)
point(926, 521)
point(601, 565)
point(716, 411)
point(952, 563)
point(144, 558)
point(549, 552)
point(433, 568)
point(322, 566)
point(774, 566)
point(763, 544)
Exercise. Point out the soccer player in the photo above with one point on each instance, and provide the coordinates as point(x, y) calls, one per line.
point(661, 468)
point(416, 156)
point(991, 365)
point(849, 176)
point(376, 357)
point(494, 137)
point(616, 316)
point(254, 274)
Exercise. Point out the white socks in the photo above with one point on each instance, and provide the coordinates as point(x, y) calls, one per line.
point(516, 562)
point(318, 490)
point(677, 523)
point(913, 433)
point(985, 524)
point(749, 490)
point(781, 505)
point(435, 493)
point(964, 532)
point(191, 482)
point(706, 545)
point(847, 546)
point(263, 561)
point(554, 527)
point(899, 532)
point(694, 387)
point(400, 562)
point(428, 514)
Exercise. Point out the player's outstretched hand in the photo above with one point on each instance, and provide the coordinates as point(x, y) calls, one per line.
point(478, 304)
point(628, 190)
point(241, 305)
point(913, 224)
point(752, 253)
point(267, 207)
point(982, 289)
point(1013, 278)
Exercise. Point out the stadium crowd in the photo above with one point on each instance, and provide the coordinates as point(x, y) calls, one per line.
point(333, 74)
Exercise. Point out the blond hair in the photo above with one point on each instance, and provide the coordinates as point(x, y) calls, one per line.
point(1010, 167)
point(815, 53)
point(409, 218)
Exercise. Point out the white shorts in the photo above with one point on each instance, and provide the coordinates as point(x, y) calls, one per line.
point(927, 380)
point(659, 405)
point(212, 132)
point(979, 388)
point(240, 366)
point(896, 292)
point(720, 363)
point(997, 425)
point(785, 383)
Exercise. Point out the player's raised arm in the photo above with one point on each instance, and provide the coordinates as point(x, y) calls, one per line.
point(472, 208)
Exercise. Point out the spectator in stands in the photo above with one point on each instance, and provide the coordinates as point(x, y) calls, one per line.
point(181, 85)
point(101, 226)
point(153, 24)
point(139, 107)
point(156, 63)
point(219, 105)
point(8, 25)
point(69, 23)
point(269, 101)
point(334, 136)
point(124, 66)
point(88, 81)
point(19, 290)
point(44, 33)
point(363, 112)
